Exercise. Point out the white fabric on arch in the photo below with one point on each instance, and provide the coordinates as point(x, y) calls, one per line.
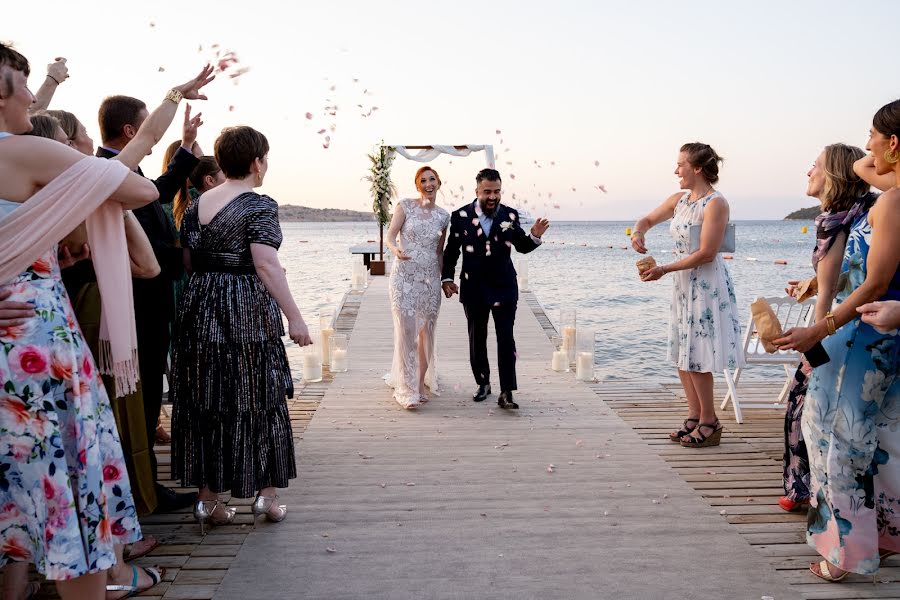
point(436, 150)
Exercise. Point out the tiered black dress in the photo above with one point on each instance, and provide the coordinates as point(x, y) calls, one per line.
point(230, 424)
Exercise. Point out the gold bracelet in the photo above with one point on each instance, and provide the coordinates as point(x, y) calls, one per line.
point(829, 323)
point(174, 95)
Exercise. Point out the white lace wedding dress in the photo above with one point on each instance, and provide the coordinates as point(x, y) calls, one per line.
point(415, 292)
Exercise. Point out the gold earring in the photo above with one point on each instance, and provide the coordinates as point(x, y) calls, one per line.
point(891, 156)
point(258, 178)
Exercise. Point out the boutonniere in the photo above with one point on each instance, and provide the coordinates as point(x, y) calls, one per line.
point(505, 225)
point(463, 214)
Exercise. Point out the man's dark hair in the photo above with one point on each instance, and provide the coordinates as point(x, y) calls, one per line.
point(115, 113)
point(487, 174)
point(16, 62)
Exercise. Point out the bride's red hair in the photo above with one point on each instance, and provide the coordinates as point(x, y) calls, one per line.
point(419, 176)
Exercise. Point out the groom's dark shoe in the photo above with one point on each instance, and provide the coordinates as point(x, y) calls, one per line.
point(505, 400)
point(482, 393)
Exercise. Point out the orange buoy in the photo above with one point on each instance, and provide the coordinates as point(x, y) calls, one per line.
point(803, 229)
point(628, 231)
point(728, 257)
point(780, 262)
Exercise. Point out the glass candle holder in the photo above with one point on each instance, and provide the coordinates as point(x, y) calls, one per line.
point(339, 346)
point(359, 276)
point(559, 361)
point(312, 361)
point(326, 330)
point(522, 271)
point(584, 359)
point(567, 328)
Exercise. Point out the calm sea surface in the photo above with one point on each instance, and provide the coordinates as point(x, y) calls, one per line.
point(582, 265)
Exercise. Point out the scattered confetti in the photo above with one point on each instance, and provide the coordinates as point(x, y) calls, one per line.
point(723, 512)
point(330, 550)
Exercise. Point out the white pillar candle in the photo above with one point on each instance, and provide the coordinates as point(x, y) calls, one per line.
point(584, 367)
point(312, 367)
point(339, 360)
point(569, 342)
point(325, 343)
point(559, 362)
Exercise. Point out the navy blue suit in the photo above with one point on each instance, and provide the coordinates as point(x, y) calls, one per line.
point(488, 284)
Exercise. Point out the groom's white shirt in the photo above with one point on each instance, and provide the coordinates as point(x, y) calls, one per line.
point(487, 223)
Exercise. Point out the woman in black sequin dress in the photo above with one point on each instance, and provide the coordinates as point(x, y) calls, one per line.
point(230, 425)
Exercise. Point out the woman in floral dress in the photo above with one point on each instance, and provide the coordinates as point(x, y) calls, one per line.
point(851, 418)
point(704, 328)
point(64, 491)
point(844, 196)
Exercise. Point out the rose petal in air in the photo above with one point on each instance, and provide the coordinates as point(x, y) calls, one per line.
point(309, 116)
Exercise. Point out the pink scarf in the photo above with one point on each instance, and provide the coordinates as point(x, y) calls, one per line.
point(81, 193)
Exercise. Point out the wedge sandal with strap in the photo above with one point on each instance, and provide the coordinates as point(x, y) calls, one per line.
point(685, 429)
point(702, 440)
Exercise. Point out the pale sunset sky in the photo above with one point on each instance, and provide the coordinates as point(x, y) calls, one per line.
point(767, 84)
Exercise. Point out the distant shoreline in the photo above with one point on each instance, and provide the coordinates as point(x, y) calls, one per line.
point(289, 213)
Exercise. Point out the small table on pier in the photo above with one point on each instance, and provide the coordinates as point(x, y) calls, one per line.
point(369, 252)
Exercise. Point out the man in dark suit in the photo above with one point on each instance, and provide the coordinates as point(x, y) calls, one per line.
point(120, 118)
point(486, 231)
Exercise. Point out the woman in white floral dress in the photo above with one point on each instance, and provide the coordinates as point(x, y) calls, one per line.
point(704, 329)
point(415, 289)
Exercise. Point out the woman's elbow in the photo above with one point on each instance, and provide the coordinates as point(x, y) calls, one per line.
point(146, 193)
point(145, 272)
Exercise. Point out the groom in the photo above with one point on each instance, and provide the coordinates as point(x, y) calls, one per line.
point(487, 230)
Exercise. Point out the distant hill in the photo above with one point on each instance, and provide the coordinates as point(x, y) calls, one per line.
point(291, 213)
point(806, 214)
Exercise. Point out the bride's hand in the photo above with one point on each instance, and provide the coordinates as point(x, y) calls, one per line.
point(299, 332)
point(400, 254)
point(791, 289)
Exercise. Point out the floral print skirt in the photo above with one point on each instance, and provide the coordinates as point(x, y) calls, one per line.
point(65, 498)
point(796, 460)
point(851, 422)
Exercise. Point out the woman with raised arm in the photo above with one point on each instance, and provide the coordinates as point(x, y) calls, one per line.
point(851, 414)
point(65, 456)
point(704, 329)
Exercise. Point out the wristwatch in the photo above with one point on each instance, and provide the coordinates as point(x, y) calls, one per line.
point(174, 95)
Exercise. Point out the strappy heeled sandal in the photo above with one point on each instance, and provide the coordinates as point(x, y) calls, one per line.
point(886, 554)
point(685, 429)
point(704, 441)
point(825, 572)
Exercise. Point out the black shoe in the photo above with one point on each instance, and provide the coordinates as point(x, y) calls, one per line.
point(505, 400)
point(482, 393)
point(170, 501)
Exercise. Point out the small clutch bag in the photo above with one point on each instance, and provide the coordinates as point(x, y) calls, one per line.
point(727, 241)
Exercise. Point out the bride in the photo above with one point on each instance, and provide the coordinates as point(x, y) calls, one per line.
point(415, 289)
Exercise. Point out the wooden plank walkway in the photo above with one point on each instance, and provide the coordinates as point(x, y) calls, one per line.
point(195, 565)
point(459, 499)
point(741, 478)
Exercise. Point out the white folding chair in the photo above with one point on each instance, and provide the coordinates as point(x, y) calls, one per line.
point(790, 313)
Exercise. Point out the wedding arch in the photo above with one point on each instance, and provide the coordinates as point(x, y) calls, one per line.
point(383, 189)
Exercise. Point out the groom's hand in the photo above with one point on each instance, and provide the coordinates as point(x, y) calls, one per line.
point(540, 227)
point(449, 288)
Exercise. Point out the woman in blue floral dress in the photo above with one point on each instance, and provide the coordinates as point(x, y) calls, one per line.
point(851, 418)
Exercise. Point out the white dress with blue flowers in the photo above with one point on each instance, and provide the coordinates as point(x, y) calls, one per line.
point(704, 329)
